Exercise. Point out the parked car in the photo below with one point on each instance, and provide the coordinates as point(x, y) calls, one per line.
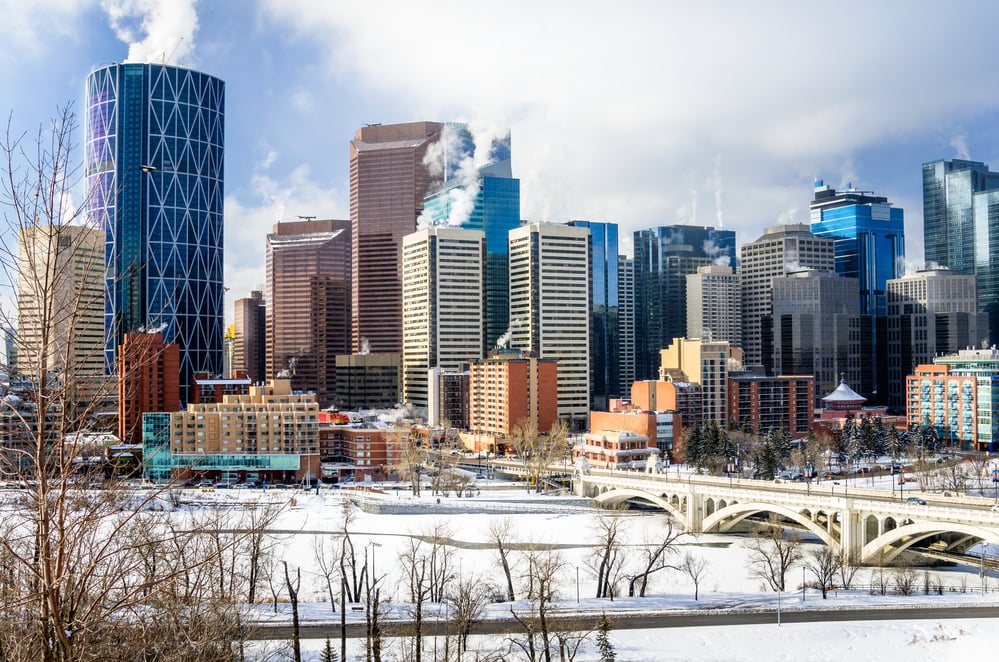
point(916, 501)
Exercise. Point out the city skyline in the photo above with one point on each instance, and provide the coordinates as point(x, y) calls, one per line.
point(716, 111)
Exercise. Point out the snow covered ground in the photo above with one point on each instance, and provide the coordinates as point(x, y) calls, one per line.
point(562, 523)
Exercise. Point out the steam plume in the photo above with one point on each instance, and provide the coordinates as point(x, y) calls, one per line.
point(155, 30)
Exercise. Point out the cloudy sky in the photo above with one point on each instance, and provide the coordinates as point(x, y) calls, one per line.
point(640, 113)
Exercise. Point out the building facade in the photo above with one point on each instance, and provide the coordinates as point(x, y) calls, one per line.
point(510, 388)
point(368, 381)
point(249, 351)
point(930, 312)
point(706, 364)
point(443, 305)
point(308, 303)
point(626, 323)
point(550, 307)
point(388, 182)
point(782, 250)
point(154, 149)
point(148, 381)
point(663, 258)
point(714, 305)
point(772, 403)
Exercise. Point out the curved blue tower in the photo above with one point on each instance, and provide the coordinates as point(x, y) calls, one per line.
point(154, 165)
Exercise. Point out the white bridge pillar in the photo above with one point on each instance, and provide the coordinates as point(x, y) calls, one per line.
point(851, 532)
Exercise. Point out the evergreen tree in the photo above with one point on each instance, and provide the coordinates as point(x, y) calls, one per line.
point(329, 655)
point(604, 645)
point(693, 448)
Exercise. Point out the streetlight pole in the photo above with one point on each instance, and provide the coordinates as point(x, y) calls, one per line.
point(802, 583)
point(577, 584)
point(985, 550)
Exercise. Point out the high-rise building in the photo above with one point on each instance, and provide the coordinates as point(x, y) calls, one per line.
point(308, 303)
point(663, 258)
point(443, 305)
point(479, 192)
point(817, 329)
point(930, 313)
point(605, 314)
point(781, 250)
point(60, 301)
point(388, 182)
point(626, 323)
point(368, 381)
point(154, 164)
point(714, 305)
point(250, 336)
point(961, 225)
point(550, 306)
point(771, 403)
point(510, 388)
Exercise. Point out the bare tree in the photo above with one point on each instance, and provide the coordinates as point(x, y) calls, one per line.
point(538, 452)
point(468, 598)
point(500, 534)
point(607, 557)
point(772, 553)
point(293, 586)
point(657, 550)
point(412, 455)
point(904, 578)
point(326, 551)
point(847, 569)
point(544, 567)
point(694, 567)
point(823, 563)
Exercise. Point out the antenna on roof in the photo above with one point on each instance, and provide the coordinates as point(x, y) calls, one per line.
point(173, 52)
point(307, 218)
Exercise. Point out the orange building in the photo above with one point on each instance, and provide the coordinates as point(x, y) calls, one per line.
point(509, 388)
point(148, 381)
point(614, 449)
point(663, 429)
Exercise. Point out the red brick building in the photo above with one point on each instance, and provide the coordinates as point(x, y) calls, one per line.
point(148, 381)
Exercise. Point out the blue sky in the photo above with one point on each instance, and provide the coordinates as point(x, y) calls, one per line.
point(641, 113)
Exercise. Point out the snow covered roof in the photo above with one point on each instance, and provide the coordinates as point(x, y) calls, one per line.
point(844, 393)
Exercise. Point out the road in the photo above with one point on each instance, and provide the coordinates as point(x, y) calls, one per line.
point(631, 621)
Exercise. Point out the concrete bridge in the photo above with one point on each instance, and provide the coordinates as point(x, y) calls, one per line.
point(870, 526)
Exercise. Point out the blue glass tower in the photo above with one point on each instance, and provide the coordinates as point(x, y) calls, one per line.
point(496, 211)
point(663, 258)
point(605, 345)
point(154, 167)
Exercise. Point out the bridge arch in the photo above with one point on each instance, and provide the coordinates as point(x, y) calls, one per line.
point(740, 511)
point(620, 495)
point(917, 531)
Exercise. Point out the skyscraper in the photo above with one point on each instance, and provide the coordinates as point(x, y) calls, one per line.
point(605, 344)
point(154, 164)
point(60, 301)
point(782, 250)
point(250, 336)
point(663, 258)
point(388, 182)
point(443, 305)
point(961, 225)
point(930, 313)
point(714, 305)
point(479, 192)
point(626, 323)
point(308, 303)
point(550, 307)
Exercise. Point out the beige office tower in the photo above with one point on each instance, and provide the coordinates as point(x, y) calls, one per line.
point(714, 305)
point(443, 305)
point(388, 182)
point(550, 307)
point(60, 301)
point(704, 363)
point(782, 250)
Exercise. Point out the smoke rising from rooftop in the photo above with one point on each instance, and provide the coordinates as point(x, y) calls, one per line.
point(156, 31)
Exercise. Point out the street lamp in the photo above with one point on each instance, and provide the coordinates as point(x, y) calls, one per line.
point(577, 584)
point(985, 550)
point(374, 577)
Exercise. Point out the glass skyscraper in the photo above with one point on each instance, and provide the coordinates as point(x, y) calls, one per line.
point(496, 211)
point(605, 345)
point(961, 225)
point(154, 167)
point(663, 258)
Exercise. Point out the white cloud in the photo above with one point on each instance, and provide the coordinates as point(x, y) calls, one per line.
point(155, 30)
point(35, 27)
point(619, 110)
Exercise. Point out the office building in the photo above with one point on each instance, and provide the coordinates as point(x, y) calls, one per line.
point(714, 305)
point(154, 148)
point(958, 394)
point(817, 329)
point(479, 192)
point(703, 363)
point(550, 301)
point(448, 396)
point(663, 258)
point(930, 313)
point(782, 250)
point(60, 302)
point(148, 381)
point(249, 350)
point(961, 225)
point(368, 381)
point(270, 435)
point(443, 305)
point(605, 313)
point(308, 303)
point(626, 323)
point(388, 182)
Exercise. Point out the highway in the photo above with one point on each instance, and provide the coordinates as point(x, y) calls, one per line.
point(630, 621)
